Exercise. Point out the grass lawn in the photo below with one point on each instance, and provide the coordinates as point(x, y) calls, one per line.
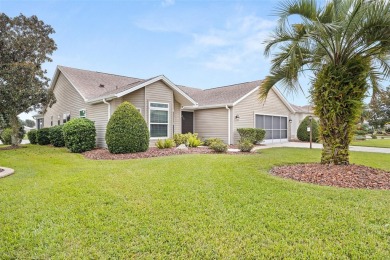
point(383, 143)
point(60, 205)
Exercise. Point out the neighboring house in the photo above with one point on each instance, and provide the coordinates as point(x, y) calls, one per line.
point(301, 112)
point(166, 107)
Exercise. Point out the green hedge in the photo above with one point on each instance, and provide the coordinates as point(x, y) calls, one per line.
point(43, 136)
point(56, 136)
point(79, 135)
point(32, 136)
point(304, 135)
point(6, 136)
point(127, 131)
point(253, 135)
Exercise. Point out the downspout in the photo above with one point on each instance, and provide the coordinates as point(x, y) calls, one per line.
point(228, 124)
point(109, 108)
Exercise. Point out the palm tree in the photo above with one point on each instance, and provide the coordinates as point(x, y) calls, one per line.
point(346, 44)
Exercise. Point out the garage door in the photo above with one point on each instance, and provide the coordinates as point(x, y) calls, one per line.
point(274, 126)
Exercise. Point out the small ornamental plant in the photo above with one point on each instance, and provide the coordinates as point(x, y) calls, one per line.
point(127, 131)
point(56, 136)
point(79, 135)
point(303, 134)
point(43, 136)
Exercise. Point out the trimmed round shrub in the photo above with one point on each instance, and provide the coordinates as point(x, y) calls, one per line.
point(303, 134)
point(209, 141)
point(6, 136)
point(32, 136)
point(79, 135)
point(253, 135)
point(245, 146)
point(43, 136)
point(260, 134)
point(219, 147)
point(56, 136)
point(127, 131)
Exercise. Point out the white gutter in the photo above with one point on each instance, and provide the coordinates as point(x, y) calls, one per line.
point(228, 123)
point(109, 108)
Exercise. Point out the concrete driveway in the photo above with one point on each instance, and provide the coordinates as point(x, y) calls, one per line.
point(319, 146)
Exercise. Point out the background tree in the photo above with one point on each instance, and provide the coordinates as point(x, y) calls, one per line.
point(30, 123)
point(379, 113)
point(24, 46)
point(346, 45)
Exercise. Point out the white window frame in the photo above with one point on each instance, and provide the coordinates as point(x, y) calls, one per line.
point(65, 116)
point(85, 113)
point(280, 140)
point(150, 123)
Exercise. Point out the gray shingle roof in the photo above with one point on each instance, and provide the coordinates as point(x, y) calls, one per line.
point(94, 85)
point(88, 82)
point(221, 95)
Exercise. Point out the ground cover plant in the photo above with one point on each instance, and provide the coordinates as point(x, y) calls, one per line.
point(382, 143)
point(61, 205)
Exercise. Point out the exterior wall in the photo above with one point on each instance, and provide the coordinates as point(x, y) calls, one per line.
point(68, 101)
point(137, 98)
point(177, 118)
point(211, 123)
point(99, 114)
point(161, 93)
point(251, 105)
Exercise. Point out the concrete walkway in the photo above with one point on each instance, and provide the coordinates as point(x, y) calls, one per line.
point(319, 146)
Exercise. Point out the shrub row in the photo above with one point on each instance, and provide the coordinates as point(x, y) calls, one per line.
point(78, 135)
point(253, 135)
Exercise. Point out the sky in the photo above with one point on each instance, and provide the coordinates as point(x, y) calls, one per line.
point(196, 43)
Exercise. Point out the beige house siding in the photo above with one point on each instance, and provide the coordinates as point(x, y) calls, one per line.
point(99, 114)
point(212, 123)
point(137, 98)
point(68, 101)
point(247, 108)
point(177, 118)
point(159, 92)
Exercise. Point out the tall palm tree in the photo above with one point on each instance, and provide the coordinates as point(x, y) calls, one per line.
point(346, 44)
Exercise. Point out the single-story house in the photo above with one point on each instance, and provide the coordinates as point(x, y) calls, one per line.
point(168, 108)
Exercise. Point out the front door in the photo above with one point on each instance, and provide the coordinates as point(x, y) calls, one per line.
point(187, 122)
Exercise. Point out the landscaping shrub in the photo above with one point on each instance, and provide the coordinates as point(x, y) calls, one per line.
point(360, 137)
point(56, 136)
point(253, 135)
point(188, 139)
point(180, 139)
point(164, 144)
point(374, 136)
point(209, 141)
point(219, 147)
point(245, 146)
point(127, 131)
point(6, 136)
point(303, 134)
point(43, 136)
point(79, 135)
point(193, 140)
point(32, 136)
point(360, 132)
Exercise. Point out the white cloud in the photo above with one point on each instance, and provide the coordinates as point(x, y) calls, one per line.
point(167, 2)
point(240, 41)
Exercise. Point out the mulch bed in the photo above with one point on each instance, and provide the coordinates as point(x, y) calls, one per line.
point(345, 176)
point(104, 154)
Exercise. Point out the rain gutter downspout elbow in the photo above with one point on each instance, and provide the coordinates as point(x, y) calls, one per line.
point(109, 108)
point(228, 124)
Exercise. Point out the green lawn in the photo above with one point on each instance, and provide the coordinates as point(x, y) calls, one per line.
point(60, 205)
point(383, 143)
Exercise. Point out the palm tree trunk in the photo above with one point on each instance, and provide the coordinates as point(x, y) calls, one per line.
point(338, 94)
